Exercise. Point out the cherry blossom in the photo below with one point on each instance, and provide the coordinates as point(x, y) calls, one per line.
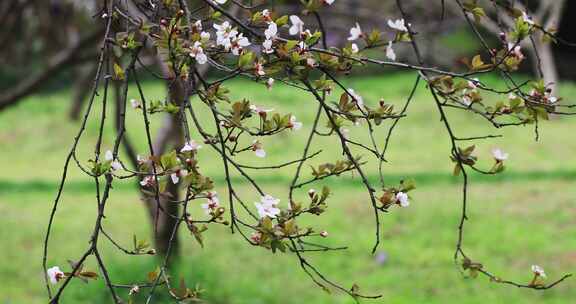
point(357, 98)
point(297, 25)
point(238, 42)
point(260, 111)
point(499, 155)
point(115, 164)
point(527, 19)
point(267, 206)
point(402, 199)
point(224, 32)
point(271, 31)
point(197, 53)
point(294, 125)
point(269, 83)
point(538, 271)
point(355, 32)
point(55, 274)
point(259, 69)
point(354, 48)
point(258, 149)
point(267, 46)
point(148, 181)
point(256, 237)
point(192, 145)
point(398, 25)
point(212, 204)
point(175, 176)
point(135, 104)
point(134, 290)
point(311, 192)
point(390, 54)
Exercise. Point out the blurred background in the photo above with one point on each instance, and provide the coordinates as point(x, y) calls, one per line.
point(521, 217)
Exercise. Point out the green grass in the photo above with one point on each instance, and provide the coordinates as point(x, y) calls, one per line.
point(523, 216)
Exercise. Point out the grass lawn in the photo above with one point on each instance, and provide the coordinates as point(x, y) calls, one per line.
point(522, 217)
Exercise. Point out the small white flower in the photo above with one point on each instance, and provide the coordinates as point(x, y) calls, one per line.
point(55, 274)
point(271, 31)
point(266, 13)
point(357, 98)
point(197, 26)
point(213, 203)
point(238, 43)
point(328, 2)
point(267, 46)
point(267, 206)
point(176, 175)
point(192, 145)
point(355, 32)
point(220, 1)
point(148, 181)
point(466, 100)
point(539, 271)
point(259, 69)
point(311, 62)
point(398, 25)
point(205, 36)
point(390, 54)
point(224, 32)
point(197, 53)
point(354, 48)
point(270, 83)
point(116, 165)
point(402, 199)
point(258, 149)
point(134, 290)
point(527, 19)
point(499, 155)
point(311, 192)
point(135, 104)
point(294, 125)
point(297, 25)
point(258, 110)
point(108, 156)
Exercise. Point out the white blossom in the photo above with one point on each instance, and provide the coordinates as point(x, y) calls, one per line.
point(539, 271)
point(135, 104)
point(212, 204)
point(499, 155)
point(175, 177)
point(224, 32)
point(267, 206)
point(355, 32)
point(271, 31)
point(297, 25)
point(402, 199)
point(258, 110)
point(398, 25)
point(192, 145)
point(220, 1)
point(148, 181)
point(270, 83)
point(354, 48)
point(258, 149)
point(134, 290)
point(267, 46)
point(357, 98)
point(390, 54)
point(295, 125)
point(205, 36)
point(527, 19)
point(55, 274)
point(238, 42)
point(328, 2)
point(259, 68)
point(197, 53)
